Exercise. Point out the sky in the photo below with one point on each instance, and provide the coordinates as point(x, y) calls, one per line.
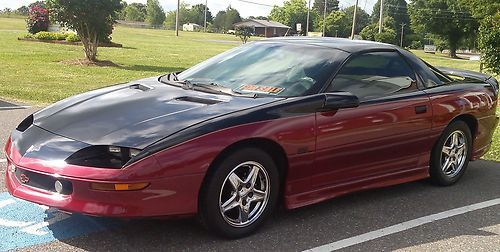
point(245, 9)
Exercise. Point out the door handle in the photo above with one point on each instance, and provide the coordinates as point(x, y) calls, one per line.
point(421, 109)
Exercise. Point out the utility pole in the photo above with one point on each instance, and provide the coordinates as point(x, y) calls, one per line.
point(402, 32)
point(324, 20)
point(308, 16)
point(381, 18)
point(177, 18)
point(354, 19)
point(205, 29)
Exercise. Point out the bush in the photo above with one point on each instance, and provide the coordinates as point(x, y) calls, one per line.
point(489, 42)
point(416, 44)
point(29, 36)
point(38, 19)
point(73, 38)
point(244, 33)
point(50, 36)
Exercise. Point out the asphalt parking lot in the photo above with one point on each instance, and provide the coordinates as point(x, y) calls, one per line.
point(410, 217)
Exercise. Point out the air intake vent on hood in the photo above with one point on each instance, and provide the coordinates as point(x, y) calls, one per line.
point(141, 87)
point(198, 100)
point(25, 124)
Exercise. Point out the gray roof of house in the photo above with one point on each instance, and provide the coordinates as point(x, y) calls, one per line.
point(262, 23)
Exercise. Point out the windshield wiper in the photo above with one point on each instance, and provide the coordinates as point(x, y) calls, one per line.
point(211, 87)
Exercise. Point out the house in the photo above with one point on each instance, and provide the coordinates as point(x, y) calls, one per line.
point(191, 27)
point(265, 28)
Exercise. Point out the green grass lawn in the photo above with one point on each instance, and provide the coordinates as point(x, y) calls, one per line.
point(32, 72)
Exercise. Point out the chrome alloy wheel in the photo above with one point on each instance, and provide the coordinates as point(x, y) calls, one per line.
point(244, 194)
point(454, 153)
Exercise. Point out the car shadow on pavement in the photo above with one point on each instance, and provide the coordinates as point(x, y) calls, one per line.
point(322, 223)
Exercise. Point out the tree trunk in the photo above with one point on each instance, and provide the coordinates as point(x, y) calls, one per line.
point(90, 43)
point(453, 42)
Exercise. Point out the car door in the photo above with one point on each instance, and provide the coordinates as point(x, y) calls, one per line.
point(385, 135)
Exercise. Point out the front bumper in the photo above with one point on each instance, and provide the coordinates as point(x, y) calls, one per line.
point(169, 196)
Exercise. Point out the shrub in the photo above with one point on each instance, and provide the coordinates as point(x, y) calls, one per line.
point(38, 19)
point(244, 33)
point(73, 38)
point(416, 44)
point(489, 42)
point(50, 36)
point(29, 36)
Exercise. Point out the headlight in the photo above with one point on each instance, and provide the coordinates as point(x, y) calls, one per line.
point(102, 156)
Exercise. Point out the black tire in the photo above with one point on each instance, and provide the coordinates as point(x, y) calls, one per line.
point(210, 210)
point(438, 159)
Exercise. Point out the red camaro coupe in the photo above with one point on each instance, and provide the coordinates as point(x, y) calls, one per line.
point(290, 121)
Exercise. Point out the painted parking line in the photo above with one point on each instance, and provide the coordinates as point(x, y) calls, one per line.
point(403, 226)
point(24, 224)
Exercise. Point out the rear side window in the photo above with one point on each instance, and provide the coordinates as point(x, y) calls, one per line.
point(374, 75)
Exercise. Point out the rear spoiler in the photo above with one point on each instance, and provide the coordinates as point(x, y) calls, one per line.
point(486, 78)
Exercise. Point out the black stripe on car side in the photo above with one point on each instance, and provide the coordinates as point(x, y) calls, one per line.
point(282, 109)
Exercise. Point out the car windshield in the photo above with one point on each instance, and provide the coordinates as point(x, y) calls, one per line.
point(269, 68)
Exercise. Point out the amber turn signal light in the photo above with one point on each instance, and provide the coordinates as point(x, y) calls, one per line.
point(118, 187)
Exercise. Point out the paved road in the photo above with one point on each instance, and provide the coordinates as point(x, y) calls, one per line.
point(349, 217)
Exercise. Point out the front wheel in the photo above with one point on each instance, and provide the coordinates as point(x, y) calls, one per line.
point(451, 154)
point(240, 194)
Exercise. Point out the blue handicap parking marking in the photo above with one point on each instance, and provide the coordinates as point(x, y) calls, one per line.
point(24, 224)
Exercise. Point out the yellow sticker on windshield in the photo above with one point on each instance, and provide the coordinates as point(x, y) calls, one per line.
point(261, 89)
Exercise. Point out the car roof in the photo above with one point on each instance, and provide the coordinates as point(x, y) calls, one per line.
point(348, 45)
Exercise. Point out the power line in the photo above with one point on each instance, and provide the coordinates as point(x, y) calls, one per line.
point(261, 4)
point(428, 9)
point(437, 15)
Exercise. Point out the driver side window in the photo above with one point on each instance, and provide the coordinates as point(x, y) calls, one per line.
point(375, 75)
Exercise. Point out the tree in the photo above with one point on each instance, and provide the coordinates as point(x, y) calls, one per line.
point(398, 10)
point(292, 13)
point(141, 7)
point(337, 24)
point(489, 42)
point(388, 35)
point(488, 12)
point(219, 21)
point(244, 33)
point(92, 20)
point(232, 17)
point(23, 11)
point(362, 19)
point(225, 20)
point(258, 18)
point(446, 18)
point(197, 14)
point(183, 16)
point(155, 14)
point(132, 13)
point(331, 5)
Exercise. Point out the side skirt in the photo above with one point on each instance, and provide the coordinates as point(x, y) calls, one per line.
point(326, 193)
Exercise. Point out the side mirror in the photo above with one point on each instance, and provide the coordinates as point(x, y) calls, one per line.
point(339, 100)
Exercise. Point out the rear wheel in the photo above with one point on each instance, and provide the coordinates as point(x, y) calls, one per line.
point(240, 194)
point(451, 154)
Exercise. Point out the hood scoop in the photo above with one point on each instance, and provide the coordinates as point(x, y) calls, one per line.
point(199, 100)
point(141, 87)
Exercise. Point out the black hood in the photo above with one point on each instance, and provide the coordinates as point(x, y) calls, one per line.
point(136, 114)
